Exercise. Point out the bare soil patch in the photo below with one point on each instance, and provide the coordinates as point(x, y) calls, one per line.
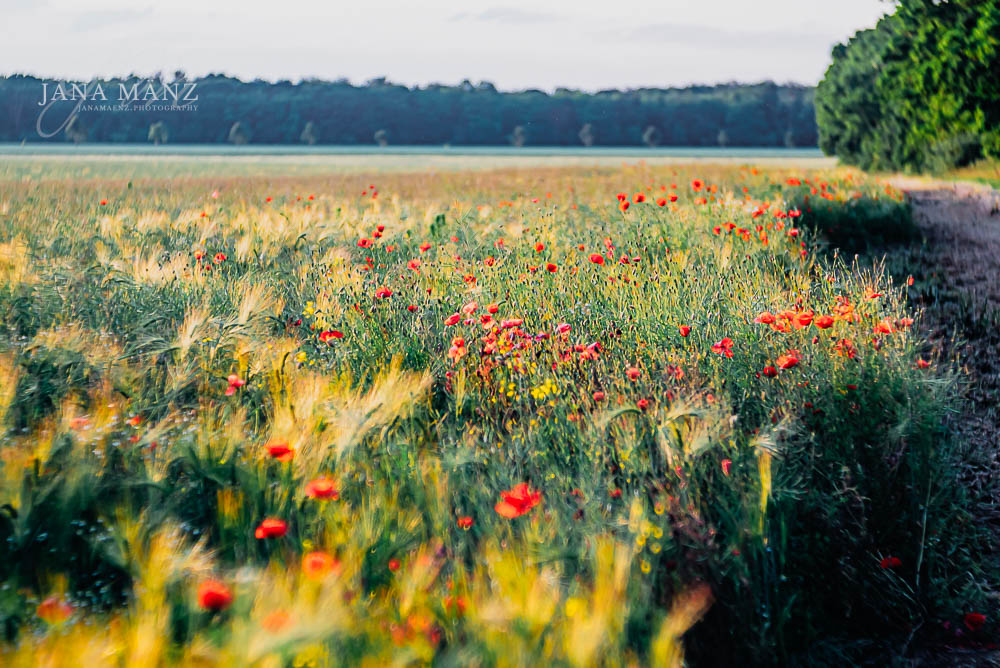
point(957, 284)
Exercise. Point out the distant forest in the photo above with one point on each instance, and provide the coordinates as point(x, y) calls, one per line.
point(380, 112)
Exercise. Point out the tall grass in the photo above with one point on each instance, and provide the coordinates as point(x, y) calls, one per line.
point(182, 366)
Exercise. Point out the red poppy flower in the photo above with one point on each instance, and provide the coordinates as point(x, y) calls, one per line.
point(322, 488)
point(271, 528)
point(684, 330)
point(464, 523)
point(633, 373)
point(727, 466)
point(54, 610)
point(661, 201)
point(539, 247)
point(104, 202)
point(383, 293)
point(788, 360)
point(394, 565)
point(329, 335)
point(643, 404)
point(455, 604)
point(317, 565)
point(219, 258)
point(770, 371)
point(823, 322)
point(78, 423)
point(411, 308)
point(598, 396)
point(765, 318)
point(974, 621)
point(280, 450)
point(623, 206)
point(452, 319)
point(922, 364)
point(723, 347)
point(214, 595)
point(890, 562)
point(517, 501)
point(551, 268)
point(885, 327)
point(235, 382)
point(276, 620)
point(597, 258)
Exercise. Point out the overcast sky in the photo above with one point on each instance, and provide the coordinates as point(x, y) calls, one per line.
point(588, 44)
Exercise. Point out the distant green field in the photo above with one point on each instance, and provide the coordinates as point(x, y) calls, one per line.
point(139, 161)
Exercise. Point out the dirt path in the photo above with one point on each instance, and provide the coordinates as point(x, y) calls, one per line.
point(962, 224)
point(957, 272)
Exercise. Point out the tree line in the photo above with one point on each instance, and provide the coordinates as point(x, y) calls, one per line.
point(920, 91)
point(316, 111)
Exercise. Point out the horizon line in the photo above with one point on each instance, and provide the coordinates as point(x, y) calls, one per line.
point(388, 82)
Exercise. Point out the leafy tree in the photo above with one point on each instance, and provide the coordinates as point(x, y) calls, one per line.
point(308, 135)
point(158, 133)
point(920, 91)
point(239, 134)
point(468, 114)
point(518, 136)
point(75, 130)
point(651, 136)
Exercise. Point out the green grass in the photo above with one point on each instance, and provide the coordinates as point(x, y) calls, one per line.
point(984, 172)
point(86, 162)
point(723, 507)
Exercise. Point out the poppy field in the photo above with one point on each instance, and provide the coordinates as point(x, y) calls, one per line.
point(642, 415)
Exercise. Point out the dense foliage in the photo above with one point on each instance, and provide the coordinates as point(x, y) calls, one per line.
point(920, 91)
point(485, 418)
point(324, 112)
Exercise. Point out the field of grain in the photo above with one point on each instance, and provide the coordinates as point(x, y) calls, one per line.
point(614, 415)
